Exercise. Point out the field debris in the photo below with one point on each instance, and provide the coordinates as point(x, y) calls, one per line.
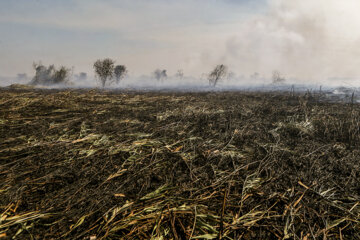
point(78, 164)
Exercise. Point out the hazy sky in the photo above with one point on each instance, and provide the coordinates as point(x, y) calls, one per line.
point(139, 33)
point(308, 39)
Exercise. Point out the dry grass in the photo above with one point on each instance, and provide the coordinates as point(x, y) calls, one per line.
point(121, 165)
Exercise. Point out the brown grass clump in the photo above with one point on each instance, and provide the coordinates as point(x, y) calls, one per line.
point(123, 165)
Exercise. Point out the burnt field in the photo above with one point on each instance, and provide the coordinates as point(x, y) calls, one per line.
point(125, 165)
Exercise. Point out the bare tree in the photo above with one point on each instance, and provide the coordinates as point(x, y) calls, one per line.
point(180, 74)
point(157, 74)
point(104, 70)
point(231, 76)
point(50, 75)
point(21, 77)
point(82, 76)
point(277, 78)
point(217, 74)
point(120, 72)
point(42, 73)
point(254, 76)
point(160, 75)
point(62, 75)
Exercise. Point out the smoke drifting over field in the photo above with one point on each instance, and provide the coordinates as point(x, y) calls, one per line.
point(307, 41)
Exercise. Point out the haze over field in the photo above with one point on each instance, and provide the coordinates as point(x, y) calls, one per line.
point(179, 119)
point(314, 41)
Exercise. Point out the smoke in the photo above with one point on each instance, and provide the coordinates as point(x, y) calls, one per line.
point(304, 39)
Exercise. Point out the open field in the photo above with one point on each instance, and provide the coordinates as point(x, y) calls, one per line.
point(125, 165)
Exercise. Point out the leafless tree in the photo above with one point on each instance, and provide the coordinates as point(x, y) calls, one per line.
point(61, 75)
point(104, 70)
point(180, 74)
point(254, 76)
point(42, 73)
point(82, 76)
point(231, 76)
point(160, 75)
point(120, 72)
point(21, 77)
point(217, 74)
point(277, 78)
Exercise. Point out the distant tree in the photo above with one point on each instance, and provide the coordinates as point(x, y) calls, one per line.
point(61, 75)
point(160, 75)
point(180, 74)
point(50, 75)
point(21, 76)
point(120, 72)
point(231, 75)
point(157, 74)
point(254, 76)
point(42, 73)
point(163, 74)
point(82, 76)
point(277, 78)
point(204, 76)
point(217, 74)
point(104, 70)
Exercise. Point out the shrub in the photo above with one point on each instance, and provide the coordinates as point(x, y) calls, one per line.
point(120, 72)
point(160, 75)
point(50, 75)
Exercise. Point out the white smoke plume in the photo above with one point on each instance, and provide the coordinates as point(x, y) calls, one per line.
point(304, 39)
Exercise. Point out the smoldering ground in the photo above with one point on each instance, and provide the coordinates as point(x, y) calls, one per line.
point(90, 164)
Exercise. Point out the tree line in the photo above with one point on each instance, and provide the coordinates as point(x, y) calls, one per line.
point(107, 72)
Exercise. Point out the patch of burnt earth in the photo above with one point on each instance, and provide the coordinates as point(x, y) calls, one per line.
point(126, 165)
